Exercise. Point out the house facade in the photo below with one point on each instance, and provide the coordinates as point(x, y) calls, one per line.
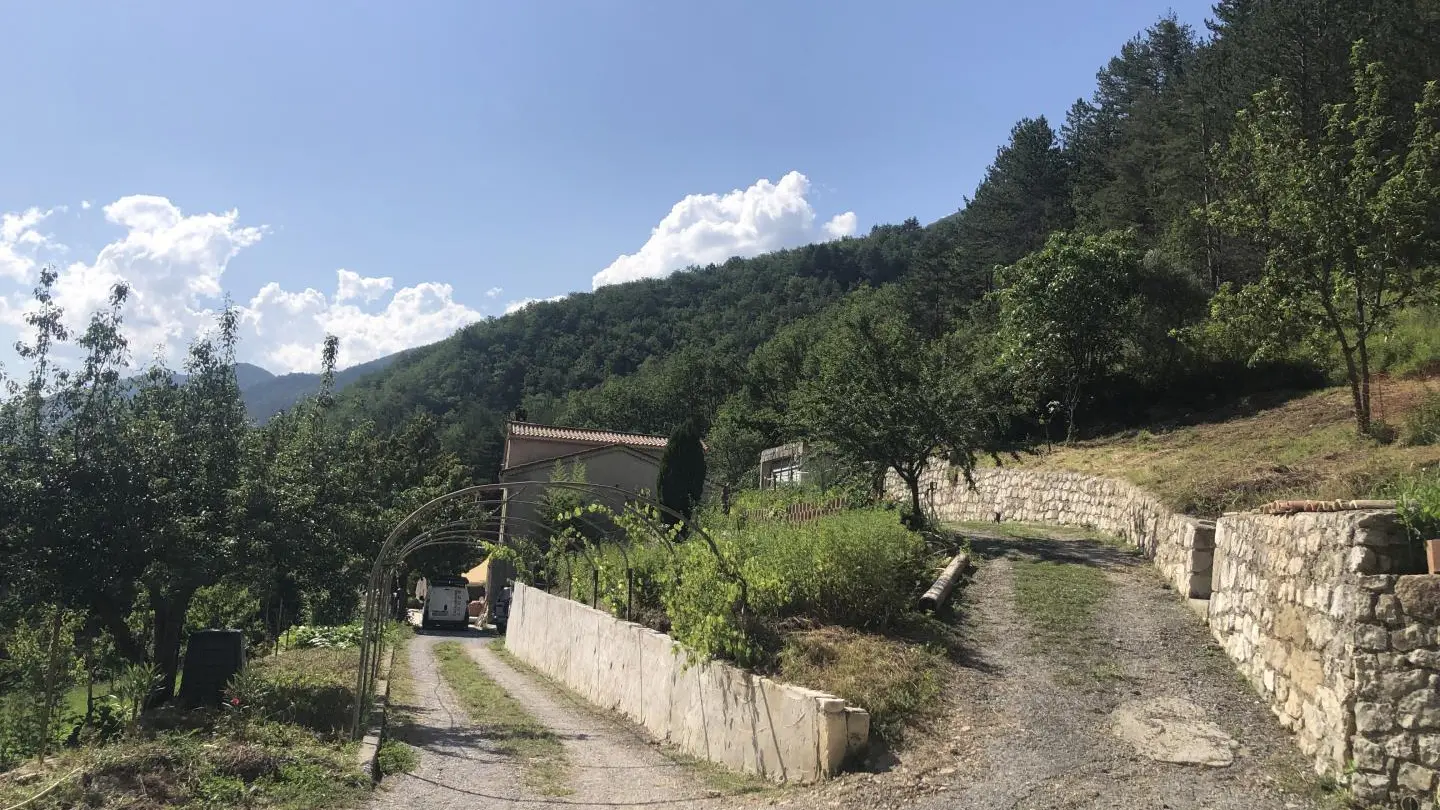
point(783, 465)
point(628, 463)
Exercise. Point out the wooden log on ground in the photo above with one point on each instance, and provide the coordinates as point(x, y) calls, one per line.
point(940, 591)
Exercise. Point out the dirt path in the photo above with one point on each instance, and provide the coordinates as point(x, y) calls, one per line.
point(609, 765)
point(1031, 726)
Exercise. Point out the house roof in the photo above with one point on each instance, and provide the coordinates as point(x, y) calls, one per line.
point(529, 430)
point(586, 453)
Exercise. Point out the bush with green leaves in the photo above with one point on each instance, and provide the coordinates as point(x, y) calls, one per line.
point(859, 569)
point(329, 637)
point(1422, 426)
point(1419, 502)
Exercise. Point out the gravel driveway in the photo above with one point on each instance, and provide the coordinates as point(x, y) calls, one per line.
point(610, 765)
point(1021, 731)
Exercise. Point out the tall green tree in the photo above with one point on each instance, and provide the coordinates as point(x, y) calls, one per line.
point(882, 396)
point(1065, 311)
point(681, 480)
point(1349, 218)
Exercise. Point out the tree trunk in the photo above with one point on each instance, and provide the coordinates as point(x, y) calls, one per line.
point(1358, 397)
point(912, 482)
point(47, 710)
point(169, 621)
point(1363, 351)
point(1072, 403)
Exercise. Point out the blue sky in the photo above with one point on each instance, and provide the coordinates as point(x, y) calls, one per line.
point(478, 154)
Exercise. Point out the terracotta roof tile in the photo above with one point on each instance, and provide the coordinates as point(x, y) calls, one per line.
point(533, 431)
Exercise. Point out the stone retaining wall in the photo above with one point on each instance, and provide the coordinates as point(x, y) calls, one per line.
point(712, 710)
point(1181, 546)
point(1395, 745)
point(1316, 609)
point(1287, 600)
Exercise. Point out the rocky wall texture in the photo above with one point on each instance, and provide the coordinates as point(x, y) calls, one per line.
point(1395, 741)
point(717, 712)
point(1179, 545)
point(1286, 602)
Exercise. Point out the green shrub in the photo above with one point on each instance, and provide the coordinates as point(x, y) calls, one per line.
point(332, 637)
point(1419, 501)
point(1412, 346)
point(859, 569)
point(1422, 426)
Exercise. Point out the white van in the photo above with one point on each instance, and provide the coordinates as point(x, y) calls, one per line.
point(445, 602)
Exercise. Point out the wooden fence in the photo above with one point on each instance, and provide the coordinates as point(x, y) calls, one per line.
point(795, 512)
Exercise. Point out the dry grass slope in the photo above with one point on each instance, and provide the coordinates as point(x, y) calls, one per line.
point(1306, 447)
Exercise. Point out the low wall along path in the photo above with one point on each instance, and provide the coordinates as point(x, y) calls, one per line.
point(1319, 611)
point(709, 709)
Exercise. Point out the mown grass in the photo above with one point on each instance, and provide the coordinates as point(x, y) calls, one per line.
point(501, 718)
point(1059, 602)
point(1306, 447)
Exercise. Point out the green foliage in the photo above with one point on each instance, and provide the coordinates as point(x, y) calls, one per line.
point(1346, 216)
point(1419, 501)
point(334, 637)
point(881, 395)
point(860, 570)
point(40, 665)
point(1422, 425)
point(681, 480)
point(226, 606)
point(1065, 311)
point(1412, 345)
point(396, 757)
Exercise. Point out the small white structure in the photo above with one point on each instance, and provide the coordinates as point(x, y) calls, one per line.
point(783, 465)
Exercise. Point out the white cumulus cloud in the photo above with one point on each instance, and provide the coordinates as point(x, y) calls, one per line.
point(175, 264)
point(84, 205)
point(20, 242)
point(710, 228)
point(353, 285)
point(494, 291)
point(291, 326)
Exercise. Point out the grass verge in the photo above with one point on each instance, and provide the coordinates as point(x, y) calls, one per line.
point(1059, 602)
point(396, 757)
point(717, 778)
point(502, 719)
point(1305, 447)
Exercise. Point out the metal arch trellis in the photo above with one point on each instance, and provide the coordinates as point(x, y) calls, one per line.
point(493, 526)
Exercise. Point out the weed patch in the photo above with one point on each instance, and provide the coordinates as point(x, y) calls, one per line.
point(278, 766)
point(396, 757)
point(501, 718)
point(896, 682)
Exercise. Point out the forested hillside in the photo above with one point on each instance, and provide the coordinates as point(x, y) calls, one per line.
point(1155, 156)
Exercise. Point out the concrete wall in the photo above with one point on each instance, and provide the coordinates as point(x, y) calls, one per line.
point(711, 710)
point(1180, 546)
point(1318, 611)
